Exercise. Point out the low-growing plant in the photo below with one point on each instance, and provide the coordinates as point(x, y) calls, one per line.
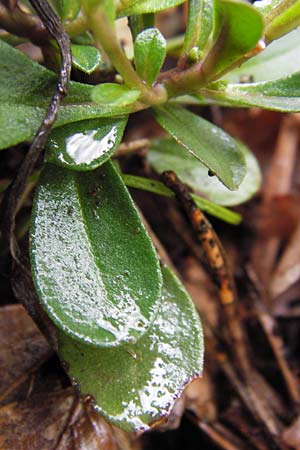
point(125, 326)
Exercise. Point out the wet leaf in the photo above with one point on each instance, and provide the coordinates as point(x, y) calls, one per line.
point(238, 27)
point(209, 144)
point(167, 155)
point(278, 95)
point(114, 94)
point(85, 58)
point(94, 267)
point(278, 60)
point(149, 54)
point(85, 145)
point(147, 6)
point(135, 385)
point(26, 89)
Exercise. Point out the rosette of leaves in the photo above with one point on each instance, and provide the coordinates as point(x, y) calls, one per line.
point(126, 327)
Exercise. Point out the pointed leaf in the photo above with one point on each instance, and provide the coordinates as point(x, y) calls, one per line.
point(133, 386)
point(206, 142)
point(94, 267)
point(238, 28)
point(278, 60)
point(85, 58)
point(165, 154)
point(146, 6)
point(85, 145)
point(114, 94)
point(26, 89)
point(279, 95)
point(149, 54)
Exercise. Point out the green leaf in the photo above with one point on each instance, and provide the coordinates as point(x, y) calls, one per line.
point(128, 8)
point(149, 54)
point(85, 145)
point(140, 22)
point(199, 26)
point(278, 60)
point(165, 154)
point(281, 16)
point(209, 144)
point(26, 89)
point(134, 386)
point(114, 94)
point(238, 28)
point(86, 58)
point(279, 95)
point(67, 9)
point(283, 23)
point(94, 266)
point(159, 188)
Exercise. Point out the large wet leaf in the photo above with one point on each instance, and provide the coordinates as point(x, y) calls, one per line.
point(146, 6)
point(94, 266)
point(26, 89)
point(279, 95)
point(209, 144)
point(238, 27)
point(278, 60)
point(133, 386)
point(85, 145)
point(165, 154)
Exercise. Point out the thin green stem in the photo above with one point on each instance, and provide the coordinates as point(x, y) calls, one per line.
point(275, 12)
point(156, 187)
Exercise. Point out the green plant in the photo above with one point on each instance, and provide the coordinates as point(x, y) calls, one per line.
point(125, 325)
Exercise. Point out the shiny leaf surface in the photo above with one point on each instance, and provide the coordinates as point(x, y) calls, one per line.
point(94, 267)
point(278, 95)
point(135, 385)
point(85, 58)
point(207, 143)
point(167, 155)
point(85, 145)
point(114, 94)
point(149, 54)
point(26, 89)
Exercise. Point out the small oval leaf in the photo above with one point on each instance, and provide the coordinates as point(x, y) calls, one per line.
point(85, 145)
point(114, 94)
point(149, 54)
point(85, 58)
point(209, 144)
point(94, 266)
point(133, 386)
point(199, 26)
point(166, 154)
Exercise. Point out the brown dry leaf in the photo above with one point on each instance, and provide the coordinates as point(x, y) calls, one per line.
point(23, 348)
point(36, 423)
